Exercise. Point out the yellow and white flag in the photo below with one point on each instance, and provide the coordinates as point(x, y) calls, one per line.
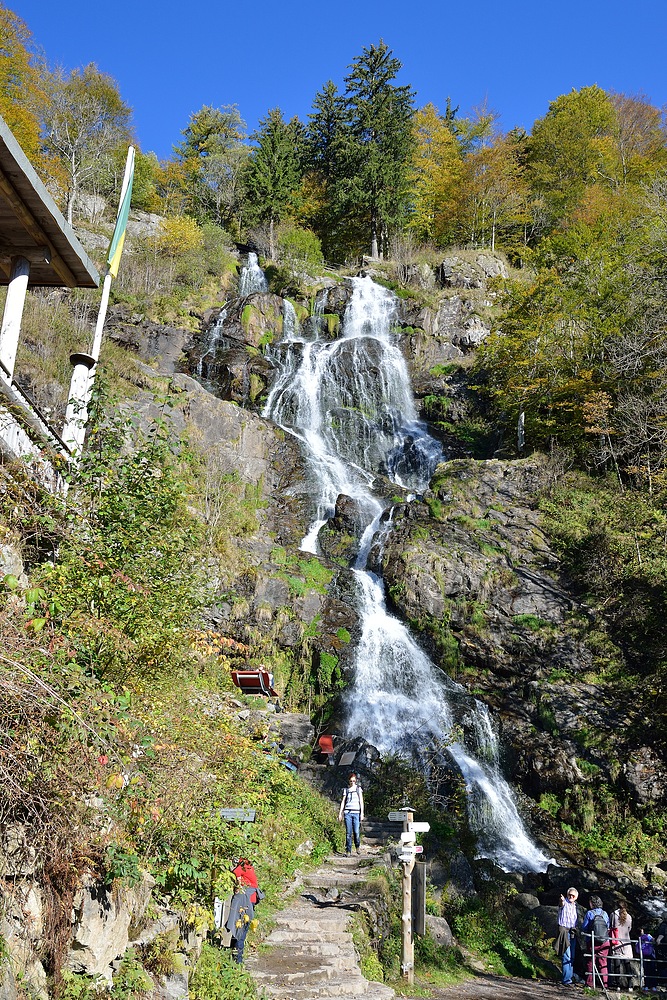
point(118, 238)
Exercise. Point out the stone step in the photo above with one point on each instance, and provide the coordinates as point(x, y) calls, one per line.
point(343, 988)
point(310, 923)
point(334, 939)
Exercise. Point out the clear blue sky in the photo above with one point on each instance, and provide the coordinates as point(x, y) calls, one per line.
point(171, 58)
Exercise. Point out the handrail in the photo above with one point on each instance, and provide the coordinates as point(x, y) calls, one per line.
point(23, 399)
point(638, 957)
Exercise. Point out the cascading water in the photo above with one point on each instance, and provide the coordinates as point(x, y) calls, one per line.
point(213, 338)
point(350, 403)
point(252, 277)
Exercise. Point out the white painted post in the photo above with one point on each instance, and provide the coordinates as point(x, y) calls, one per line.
point(76, 415)
point(407, 943)
point(11, 319)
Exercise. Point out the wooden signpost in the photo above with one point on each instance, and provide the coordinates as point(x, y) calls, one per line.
point(406, 855)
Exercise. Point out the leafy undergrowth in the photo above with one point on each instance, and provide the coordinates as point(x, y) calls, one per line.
point(508, 945)
point(120, 741)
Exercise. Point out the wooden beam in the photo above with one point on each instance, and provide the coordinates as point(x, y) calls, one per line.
point(31, 226)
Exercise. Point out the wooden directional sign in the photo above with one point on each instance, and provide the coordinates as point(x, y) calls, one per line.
point(397, 817)
point(419, 827)
point(239, 815)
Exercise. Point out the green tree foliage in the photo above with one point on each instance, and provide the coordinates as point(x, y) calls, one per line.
point(213, 157)
point(327, 139)
point(436, 177)
point(21, 91)
point(127, 591)
point(274, 172)
point(84, 123)
point(570, 148)
point(381, 143)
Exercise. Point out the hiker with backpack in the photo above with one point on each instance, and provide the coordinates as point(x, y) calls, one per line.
point(595, 930)
point(352, 813)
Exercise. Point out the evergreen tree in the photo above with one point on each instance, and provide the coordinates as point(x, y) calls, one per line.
point(381, 143)
point(328, 140)
point(274, 171)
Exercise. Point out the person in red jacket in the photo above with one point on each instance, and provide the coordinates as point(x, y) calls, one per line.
point(245, 872)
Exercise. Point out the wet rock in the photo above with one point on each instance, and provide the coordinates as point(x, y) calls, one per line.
point(339, 537)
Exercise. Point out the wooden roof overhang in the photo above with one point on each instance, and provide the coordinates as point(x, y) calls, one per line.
point(31, 226)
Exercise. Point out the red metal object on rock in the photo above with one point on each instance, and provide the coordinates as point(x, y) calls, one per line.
point(258, 682)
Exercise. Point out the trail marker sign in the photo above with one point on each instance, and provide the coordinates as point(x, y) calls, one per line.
point(396, 817)
point(239, 815)
point(419, 827)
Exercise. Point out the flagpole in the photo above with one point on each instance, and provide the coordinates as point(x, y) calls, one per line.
point(106, 288)
point(83, 376)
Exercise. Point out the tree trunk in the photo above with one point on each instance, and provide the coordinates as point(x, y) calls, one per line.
point(374, 235)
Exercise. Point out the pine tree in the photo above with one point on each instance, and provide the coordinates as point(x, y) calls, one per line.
point(328, 140)
point(213, 157)
point(275, 170)
point(379, 153)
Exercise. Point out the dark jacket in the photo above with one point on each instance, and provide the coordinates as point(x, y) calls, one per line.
point(240, 908)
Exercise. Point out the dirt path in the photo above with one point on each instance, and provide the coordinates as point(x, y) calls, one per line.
point(500, 988)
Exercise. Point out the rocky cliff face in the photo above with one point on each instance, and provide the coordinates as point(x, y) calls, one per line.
point(468, 564)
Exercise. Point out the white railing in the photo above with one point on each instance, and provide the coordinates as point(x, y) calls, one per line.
point(645, 971)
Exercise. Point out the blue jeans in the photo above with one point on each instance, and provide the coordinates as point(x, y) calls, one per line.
point(351, 830)
point(568, 960)
point(238, 943)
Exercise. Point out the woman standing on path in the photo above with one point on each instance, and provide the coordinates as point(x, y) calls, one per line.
point(352, 813)
point(623, 966)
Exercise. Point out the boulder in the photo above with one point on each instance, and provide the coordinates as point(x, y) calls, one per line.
point(439, 930)
point(101, 921)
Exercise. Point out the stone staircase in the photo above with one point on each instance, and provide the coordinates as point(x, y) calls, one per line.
point(310, 953)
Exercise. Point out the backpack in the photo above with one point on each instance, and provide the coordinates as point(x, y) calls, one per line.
point(600, 929)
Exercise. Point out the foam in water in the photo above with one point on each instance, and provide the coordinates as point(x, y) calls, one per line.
point(252, 277)
point(350, 403)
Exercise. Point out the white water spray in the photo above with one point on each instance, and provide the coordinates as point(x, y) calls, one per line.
point(350, 403)
point(252, 277)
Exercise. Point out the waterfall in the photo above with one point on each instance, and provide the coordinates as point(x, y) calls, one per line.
point(210, 346)
point(252, 277)
point(290, 322)
point(350, 404)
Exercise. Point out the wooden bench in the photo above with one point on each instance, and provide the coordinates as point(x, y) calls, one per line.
point(259, 682)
